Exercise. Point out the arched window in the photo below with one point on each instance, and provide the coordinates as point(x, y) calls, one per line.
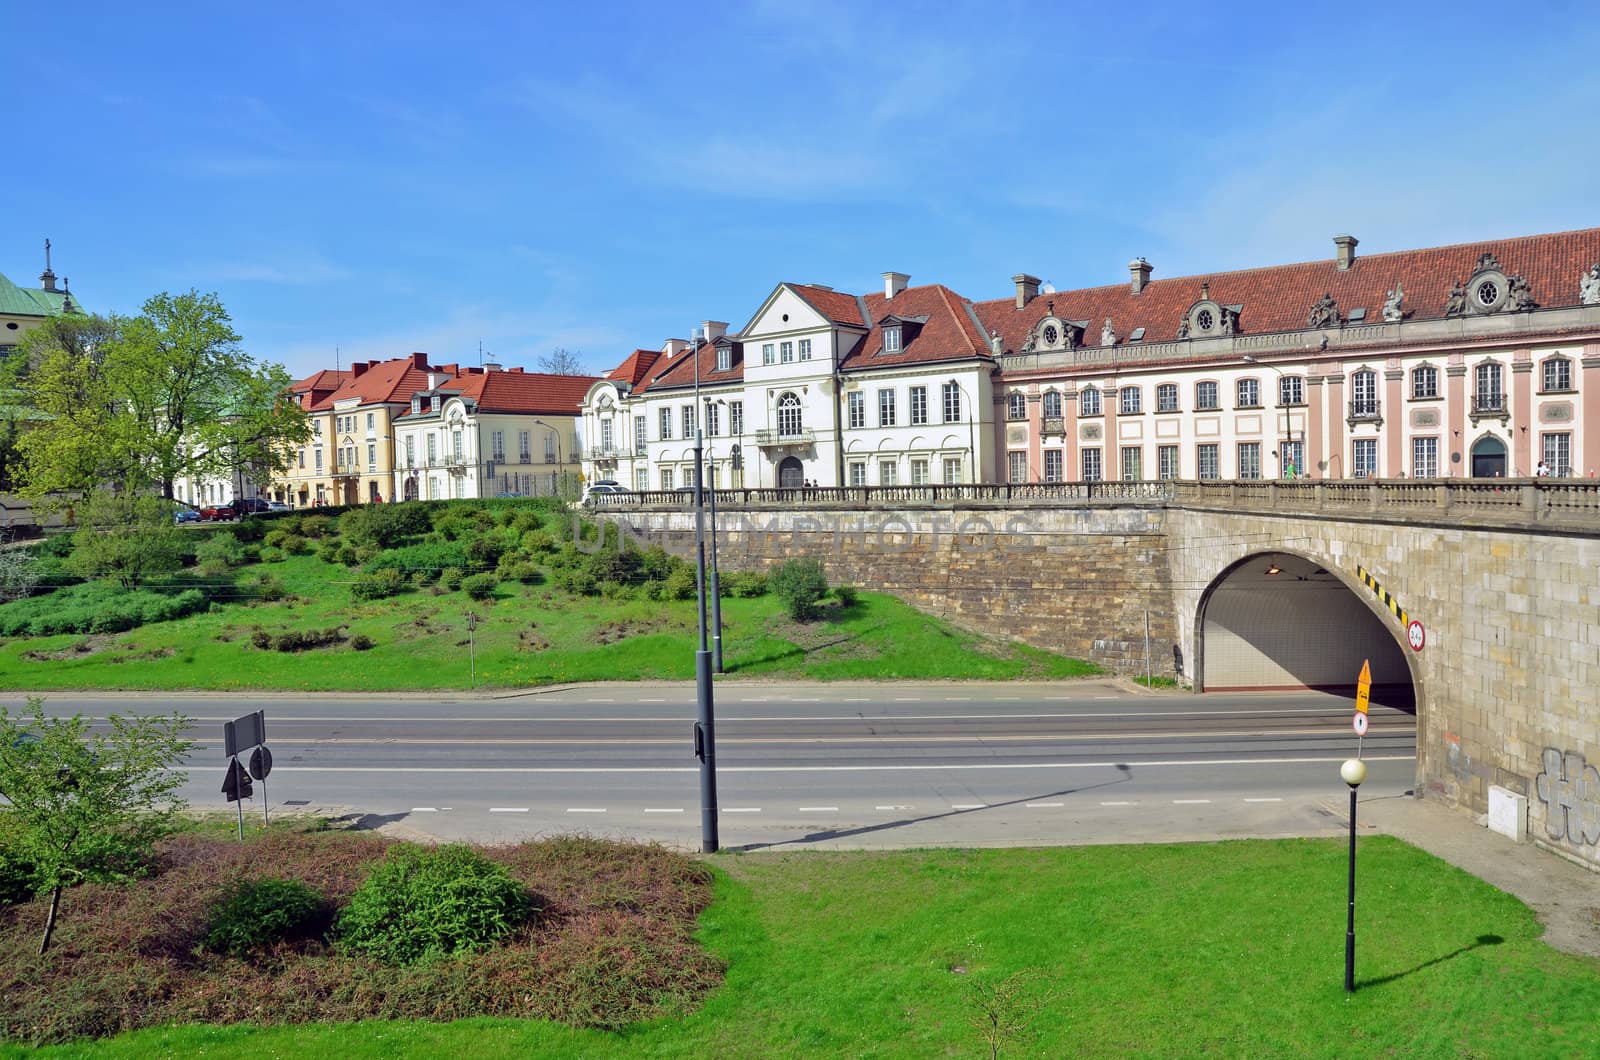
point(788, 415)
point(1052, 404)
point(1557, 374)
point(1364, 394)
point(1089, 402)
point(1016, 406)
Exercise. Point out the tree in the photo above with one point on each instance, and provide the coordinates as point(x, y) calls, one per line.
point(126, 536)
point(67, 439)
point(89, 805)
point(561, 361)
point(255, 437)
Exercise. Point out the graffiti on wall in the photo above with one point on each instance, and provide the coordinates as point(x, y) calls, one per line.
point(1570, 789)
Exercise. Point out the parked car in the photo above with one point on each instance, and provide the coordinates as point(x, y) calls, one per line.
point(213, 513)
point(185, 514)
point(598, 492)
point(249, 505)
point(277, 506)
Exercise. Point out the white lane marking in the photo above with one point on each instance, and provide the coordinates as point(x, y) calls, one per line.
point(741, 809)
point(599, 701)
point(1044, 805)
point(894, 807)
point(1107, 697)
point(1119, 804)
point(958, 699)
point(1190, 802)
point(663, 809)
point(586, 809)
point(508, 809)
point(819, 809)
point(1263, 800)
point(863, 699)
point(564, 770)
point(1008, 699)
point(907, 699)
point(424, 809)
point(652, 701)
point(969, 806)
point(814, 700)
point(1338, 712)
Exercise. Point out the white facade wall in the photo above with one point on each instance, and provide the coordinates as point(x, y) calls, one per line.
point(465, 462)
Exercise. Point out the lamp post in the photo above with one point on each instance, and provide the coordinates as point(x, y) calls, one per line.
point(1283, 444)
point(705, 746)
point(560, 470)
point(716, 580)
point(972, 435)
point(1353, 771)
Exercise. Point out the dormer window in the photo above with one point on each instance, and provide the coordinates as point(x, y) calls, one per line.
point(416, 403)
point(433, 403)
point(724, 358)
point(891, 338)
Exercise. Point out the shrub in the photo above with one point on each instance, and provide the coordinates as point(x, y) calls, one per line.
point(421, 904)
point(577, 581)
point(128, 537)
point(450, 578)
point(295, 545)
point(361, 642)
point(375, 585)
point(847, 595)
point(680, 584)
point(520, 570)
point(296, 639)
point(269, 554)
point(270, 588)
point(315, 526)
point(801, 585)
point(274, 538)
point(743, 584)
point(328, 551)
point(428, 556)
point(655, 562)
point(19, 573)
point(96, 607)
point(480, 586)
point(539, 542)
point(16, 874)
point(262, 913)
point(384, 525)
point(484, 551)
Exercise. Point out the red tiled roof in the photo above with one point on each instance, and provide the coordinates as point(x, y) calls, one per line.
point(948, 334)
point(386, 382)
point(837, 306)
point(527, 392)
point(635, 368)
point(679, 370)
point(1280, 297)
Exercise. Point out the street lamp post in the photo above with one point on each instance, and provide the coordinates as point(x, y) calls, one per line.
point(716, 579)
point(1287, 430)
point(705, 745)
point(1353, 771)
point(560, 469)
point(972, 434)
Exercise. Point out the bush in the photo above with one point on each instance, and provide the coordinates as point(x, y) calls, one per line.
point(296, 639)
point(485, 550)
point(519, 570)
point(96, 607)
point(16, 874)
point(375, 585)
point(269, 554)
point(270, 588)
point(429, 556)
point(480, 586)
point(361, 642)
point(801, 585)
point(19, 573)
point(328, 551)
point(422, 903)
point(129, 538)
point(577, 581)
point(847, 595)
point(315, 526)
point(261, 913)
point(539, 542)
point(743, 584)
point(680, 584)
point(295, 545)
point(384, 525)
point(450, 578)
point(274, 538)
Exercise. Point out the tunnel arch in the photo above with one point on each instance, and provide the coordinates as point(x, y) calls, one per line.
point(1278, 620)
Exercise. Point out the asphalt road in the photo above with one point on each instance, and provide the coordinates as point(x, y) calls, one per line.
point(808, 765)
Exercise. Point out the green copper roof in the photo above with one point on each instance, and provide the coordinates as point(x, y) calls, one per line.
point(32, 301)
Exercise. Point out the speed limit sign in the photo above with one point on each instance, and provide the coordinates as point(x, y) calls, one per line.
point(1359, 723)
point(1416, 636)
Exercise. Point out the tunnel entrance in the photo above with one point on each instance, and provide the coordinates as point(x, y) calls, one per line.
point(1277, 621)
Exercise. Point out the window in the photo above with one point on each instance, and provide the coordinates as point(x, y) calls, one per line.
point(371, 421)
point(433, 403)
point(497, 441)
point(856, 404)
point(769, 353)
point(736, 418)
point(1249, 393)
point(724, 358)
point(919, 472)
point(1205, 459)
point(1130, 401)
point(805, 349)
point(416, 403)
point(1489, 396)
point(1364, 458)
point(318, 454)
point(639, 431)
point(1016, 406)
point(789, 420)
point(1052, 465)
point(1558, 452)
point(1557, 376)
point(888, 473)
point(302, 460)
point(1166, 462)
point(1167, 397)
point(641, 479)
point(858, 473)
point(665, 423)
point(455, 446)
point(524, 450)
point(1205, 397)
point(1091, 465)
point(886, 408)
point(1425, 457)
point(1016, 466)
point(688, 421)
point(1291, 390)
point(1250, 460)
point(1089, 402)
point(549, 448)
point(666, 478)
point(1294, 455)
point(786, 352)
point(1052, 405)
point(919, 404)
point(891, 338)
point(433, 449)
point(952, 470)
point(1364, 394)
point(952, 403)
point(1132, 463)
point(1425, 381)
point(713, 419)
point(372, 455)
point(433, 488)
point(411, 451)
point(316, 428)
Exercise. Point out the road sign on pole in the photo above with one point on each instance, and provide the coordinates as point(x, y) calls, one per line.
point(1359, 723)
point(1364, 687)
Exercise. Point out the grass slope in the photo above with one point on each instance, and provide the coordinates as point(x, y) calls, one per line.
point(1224, 949)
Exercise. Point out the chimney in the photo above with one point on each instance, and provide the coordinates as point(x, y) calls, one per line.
point(1027, 288)
point(451, 369)
point(1345, 251)
point(516, 371)
point(358, 369)
point(1138, 274)
point(673, 347)
point(894, 283)
point(419, 360)
point(435, 379)
point(491, 366)
point(712, 330)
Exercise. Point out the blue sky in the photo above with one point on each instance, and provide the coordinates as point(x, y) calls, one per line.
point(383, 178)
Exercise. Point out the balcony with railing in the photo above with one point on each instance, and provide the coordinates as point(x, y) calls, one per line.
point(1365, 410)
point(768, 437)
point(1054, 425)
point(604, 454)
point(1487, 405)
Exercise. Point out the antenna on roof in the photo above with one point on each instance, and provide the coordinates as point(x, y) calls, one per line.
point(336, 358)
point(480, 353)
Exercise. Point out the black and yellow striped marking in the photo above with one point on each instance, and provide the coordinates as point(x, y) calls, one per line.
point(1382, 594)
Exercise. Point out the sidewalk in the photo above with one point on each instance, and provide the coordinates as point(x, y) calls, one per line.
point(1565, 896)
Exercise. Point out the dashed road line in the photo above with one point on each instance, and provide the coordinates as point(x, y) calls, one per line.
point(819, 809)
point(424, 809)
point(508, 809)
point(894, 807)
point(1044, 805)
point(586, 809)
point(1119, 804)
point(1190, 802)
point(741, 809)
point(1263, 800)
point(969, 806)
point(663, 809)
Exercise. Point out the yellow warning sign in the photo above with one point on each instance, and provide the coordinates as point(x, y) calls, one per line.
point(1364, 687)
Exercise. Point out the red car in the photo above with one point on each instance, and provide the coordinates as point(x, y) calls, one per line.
point(212, 513)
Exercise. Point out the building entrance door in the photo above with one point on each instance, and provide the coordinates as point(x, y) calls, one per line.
point(791, 473)
point(1489, 458)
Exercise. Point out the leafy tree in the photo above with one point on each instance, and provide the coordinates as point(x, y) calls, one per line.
point(255, 435)
point(562, 361)
point(19, 573)
point(65, 421)
point(129, 537)
point(801, 585)
point(88, 805)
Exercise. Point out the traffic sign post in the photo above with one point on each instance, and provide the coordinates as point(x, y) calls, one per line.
point(239, 736)
point(1363, 697)
point(260, 766)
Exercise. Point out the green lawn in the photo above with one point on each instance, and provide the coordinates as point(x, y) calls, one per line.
point(1221, 949)
point(527, 635)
